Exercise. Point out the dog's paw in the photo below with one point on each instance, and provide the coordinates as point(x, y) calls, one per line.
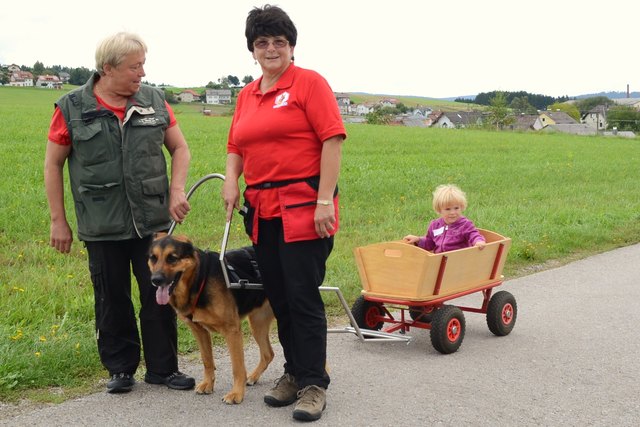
point(205, 387)
point(233, 398)
point(251, 380)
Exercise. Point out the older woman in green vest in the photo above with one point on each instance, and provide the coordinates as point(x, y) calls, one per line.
point(111, 133)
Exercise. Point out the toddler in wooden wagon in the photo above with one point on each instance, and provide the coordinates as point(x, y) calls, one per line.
point(452, 230)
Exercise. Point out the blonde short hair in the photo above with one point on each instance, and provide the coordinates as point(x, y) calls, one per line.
point(116, 47)
point(448, 194)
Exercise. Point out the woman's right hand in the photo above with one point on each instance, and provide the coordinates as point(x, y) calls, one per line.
point(231, 197)
point(61, 236)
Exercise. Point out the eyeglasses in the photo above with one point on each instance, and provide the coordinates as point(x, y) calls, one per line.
point(264, 43)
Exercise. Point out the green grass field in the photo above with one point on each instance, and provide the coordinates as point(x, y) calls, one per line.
point(559, 198)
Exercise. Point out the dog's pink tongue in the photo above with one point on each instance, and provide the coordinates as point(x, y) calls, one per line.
point(162, 295)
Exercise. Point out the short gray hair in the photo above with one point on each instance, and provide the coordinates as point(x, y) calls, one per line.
point(114, 48)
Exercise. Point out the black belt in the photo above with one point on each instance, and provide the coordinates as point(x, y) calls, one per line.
point(276, 184)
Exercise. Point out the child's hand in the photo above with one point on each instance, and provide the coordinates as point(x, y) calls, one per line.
point(480, 244)
point(411, 239)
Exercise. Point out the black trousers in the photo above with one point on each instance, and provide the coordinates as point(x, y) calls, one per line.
point(110, 264)
point(291, 274)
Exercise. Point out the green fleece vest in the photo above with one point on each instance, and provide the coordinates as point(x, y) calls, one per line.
point(118, 172)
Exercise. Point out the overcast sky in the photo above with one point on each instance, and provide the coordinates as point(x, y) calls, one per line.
point(415, 47)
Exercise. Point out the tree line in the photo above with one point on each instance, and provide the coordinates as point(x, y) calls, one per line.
point(522, 100)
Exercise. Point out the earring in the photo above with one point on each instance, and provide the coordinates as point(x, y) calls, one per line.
point(255, 62)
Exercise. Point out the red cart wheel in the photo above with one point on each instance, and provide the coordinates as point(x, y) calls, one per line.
point(501, 313)
point(447, 329)
point(367, 314)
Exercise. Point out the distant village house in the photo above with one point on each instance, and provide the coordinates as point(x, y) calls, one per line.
point(20, 78)
point(188, 95)
point(596, 118)
point(548, 118)
point(628, 102)
point(459, 119)
point(344, 102)
point(218, 96)
point(49, 82)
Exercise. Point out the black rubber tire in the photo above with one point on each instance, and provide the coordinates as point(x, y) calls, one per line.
point(502, 312)
point(364, 313)
point(447, 329)
point(421, 313)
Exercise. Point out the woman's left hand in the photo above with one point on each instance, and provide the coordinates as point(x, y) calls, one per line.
point(325, 220)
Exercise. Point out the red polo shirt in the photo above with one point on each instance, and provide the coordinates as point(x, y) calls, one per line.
point(279, 134)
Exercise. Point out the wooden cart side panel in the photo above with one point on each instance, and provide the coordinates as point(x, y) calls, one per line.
point(402, 271)
point(490, 236)
point(426, 298)
point(362, 272)
point(397, 268)
point(469, 267)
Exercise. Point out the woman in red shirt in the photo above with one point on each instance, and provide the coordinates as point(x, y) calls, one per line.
point(286, 139)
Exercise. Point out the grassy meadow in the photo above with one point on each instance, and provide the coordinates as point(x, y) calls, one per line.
point(559, 197)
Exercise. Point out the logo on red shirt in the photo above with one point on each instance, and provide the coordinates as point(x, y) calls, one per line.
point(281, 100)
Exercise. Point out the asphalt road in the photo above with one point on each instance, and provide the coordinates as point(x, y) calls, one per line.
point(573, 359)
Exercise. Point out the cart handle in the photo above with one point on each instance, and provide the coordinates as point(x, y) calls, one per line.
point(192, 190)
point(242, 284)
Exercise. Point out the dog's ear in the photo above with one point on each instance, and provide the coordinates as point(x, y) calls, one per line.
point(184, 245)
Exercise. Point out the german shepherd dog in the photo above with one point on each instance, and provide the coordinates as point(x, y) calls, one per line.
point(192, 281)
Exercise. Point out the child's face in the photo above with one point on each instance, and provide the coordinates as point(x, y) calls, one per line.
point(451, 213)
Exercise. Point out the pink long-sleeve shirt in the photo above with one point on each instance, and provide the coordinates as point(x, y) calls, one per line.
point(441, 237)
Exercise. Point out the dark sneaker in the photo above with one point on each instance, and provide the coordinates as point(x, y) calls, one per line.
point(284, 393)
point(311, 402)
point(120, 383)
point(176, 381)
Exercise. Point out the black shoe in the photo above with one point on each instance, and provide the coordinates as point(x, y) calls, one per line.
point(120, 383)
point(176, 381)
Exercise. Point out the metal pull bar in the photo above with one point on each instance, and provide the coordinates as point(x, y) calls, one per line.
point(242, 284)
point(192, 190)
